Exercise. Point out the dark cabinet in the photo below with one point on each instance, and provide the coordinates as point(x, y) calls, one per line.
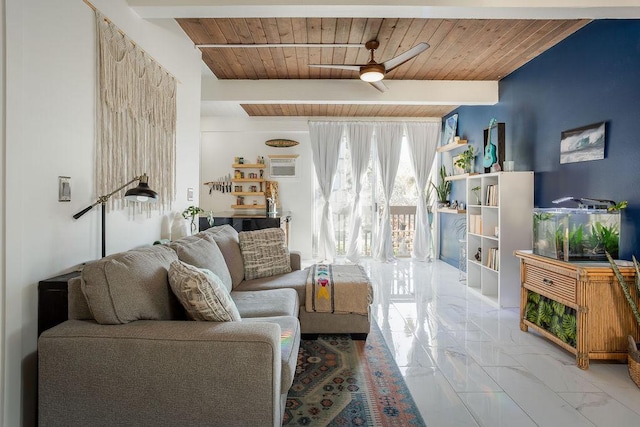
point(52, 301)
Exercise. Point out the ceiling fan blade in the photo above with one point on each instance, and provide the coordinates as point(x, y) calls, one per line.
point(337, 66)
point(379, 85)
point(405, 56)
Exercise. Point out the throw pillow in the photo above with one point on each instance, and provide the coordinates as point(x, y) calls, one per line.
point(201, 250)
point(202, 293)
point(264, 253)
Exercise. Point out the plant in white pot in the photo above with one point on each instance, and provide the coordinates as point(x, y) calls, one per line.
point(634, 349)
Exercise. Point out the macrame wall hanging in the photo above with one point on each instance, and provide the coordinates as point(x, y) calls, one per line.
point(136, 118)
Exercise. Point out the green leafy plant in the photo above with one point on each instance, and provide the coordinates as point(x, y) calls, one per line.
point(576, 240)
point(191, 213)
point(552, 316)
point(476, 192)
point(465, 159)
point(443, 189)
point(618, 206)
point(604, 239)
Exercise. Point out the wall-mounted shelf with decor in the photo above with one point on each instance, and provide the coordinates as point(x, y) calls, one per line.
point(248, 166)
point(249, 206)
point(459, 177)
point(452, 146)
point(241, 191)
point(451, 211)
point(248, 193)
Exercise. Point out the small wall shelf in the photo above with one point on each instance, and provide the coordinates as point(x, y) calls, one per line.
point(248, 193)
point(459, 177)
point(452, 146)
point(247, 180)
point(256, 207)
point(248, 166)
point(451, 211)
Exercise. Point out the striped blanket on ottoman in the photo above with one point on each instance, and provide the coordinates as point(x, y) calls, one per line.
point(338, 289)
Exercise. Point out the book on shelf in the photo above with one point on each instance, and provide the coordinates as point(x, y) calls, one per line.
point(475, 224)
point(493, 259)
point(492, 195)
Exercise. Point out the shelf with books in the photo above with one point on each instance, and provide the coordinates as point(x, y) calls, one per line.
point(495, 229)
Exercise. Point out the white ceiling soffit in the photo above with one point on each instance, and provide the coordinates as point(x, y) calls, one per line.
point(350, 91)
point(482, 9)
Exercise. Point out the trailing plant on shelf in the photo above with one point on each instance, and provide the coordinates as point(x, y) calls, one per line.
point(443, 189)
point(465, 159)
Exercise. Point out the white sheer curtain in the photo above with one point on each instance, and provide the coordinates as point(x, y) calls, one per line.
point(388, 144)
point(423, 140)
point(359, 138)
point(325, 146)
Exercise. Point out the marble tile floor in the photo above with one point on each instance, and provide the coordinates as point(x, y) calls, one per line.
point(467, 363)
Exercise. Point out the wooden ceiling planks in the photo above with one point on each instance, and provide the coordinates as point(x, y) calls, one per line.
point(346, 110)
point(460, 49)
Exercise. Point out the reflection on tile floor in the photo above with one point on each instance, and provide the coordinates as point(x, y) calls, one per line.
point(467, 363)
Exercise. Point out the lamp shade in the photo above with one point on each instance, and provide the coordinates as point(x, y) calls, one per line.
point(142, 193)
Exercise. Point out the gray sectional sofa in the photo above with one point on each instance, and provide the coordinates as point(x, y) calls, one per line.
point(128, 355)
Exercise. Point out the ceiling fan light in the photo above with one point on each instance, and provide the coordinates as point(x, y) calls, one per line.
point(372, 72)
point(371, 76)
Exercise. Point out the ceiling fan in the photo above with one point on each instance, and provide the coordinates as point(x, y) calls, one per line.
point(373, 72)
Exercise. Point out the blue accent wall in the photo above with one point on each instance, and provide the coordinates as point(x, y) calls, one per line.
point(590, 77)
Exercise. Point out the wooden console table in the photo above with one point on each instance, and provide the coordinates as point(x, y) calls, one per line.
point(602, 314)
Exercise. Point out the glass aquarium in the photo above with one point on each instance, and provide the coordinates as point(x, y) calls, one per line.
point(576, 234)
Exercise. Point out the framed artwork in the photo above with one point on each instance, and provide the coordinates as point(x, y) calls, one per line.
point(582, 144)
point(450, 127)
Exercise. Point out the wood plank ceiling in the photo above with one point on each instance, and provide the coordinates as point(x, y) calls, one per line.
point(461, 49)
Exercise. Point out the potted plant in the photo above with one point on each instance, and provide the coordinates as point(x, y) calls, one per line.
point(191, 213)
point(476, 192)
point(443, 189)
point(465, 160)
point(634, 348)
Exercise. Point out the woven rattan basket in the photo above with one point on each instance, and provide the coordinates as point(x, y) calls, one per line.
point(634, 361)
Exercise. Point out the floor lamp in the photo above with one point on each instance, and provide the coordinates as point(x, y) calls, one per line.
point(141, 193)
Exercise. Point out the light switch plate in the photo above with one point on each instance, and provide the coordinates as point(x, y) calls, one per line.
point(64, 189)
point(190, 194)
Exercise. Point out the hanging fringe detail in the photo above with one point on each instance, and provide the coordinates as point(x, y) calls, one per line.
point(136, 118)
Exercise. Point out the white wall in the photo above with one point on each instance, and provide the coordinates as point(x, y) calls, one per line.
point(225, 138)
point(3, 39)
point(50, 84)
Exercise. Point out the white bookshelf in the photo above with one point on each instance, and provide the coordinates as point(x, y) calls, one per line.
point(511, 213)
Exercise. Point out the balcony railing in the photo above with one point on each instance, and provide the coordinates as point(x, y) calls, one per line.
point(403, 226)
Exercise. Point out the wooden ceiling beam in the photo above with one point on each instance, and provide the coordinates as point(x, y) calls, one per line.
point(350, 91)
point(449, 9)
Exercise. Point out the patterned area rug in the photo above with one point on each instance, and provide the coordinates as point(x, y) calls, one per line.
point(342, 382)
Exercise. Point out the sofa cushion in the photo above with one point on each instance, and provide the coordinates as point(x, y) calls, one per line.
point(274, 302)
point(202, 293)
point(201, 250)
point(264, 253)
point(227, 239)
point(131, 285)
point(295, 280)
point(289, 346)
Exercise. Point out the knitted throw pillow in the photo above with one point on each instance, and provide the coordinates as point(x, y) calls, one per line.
point(264, 253)
point(202, 293)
